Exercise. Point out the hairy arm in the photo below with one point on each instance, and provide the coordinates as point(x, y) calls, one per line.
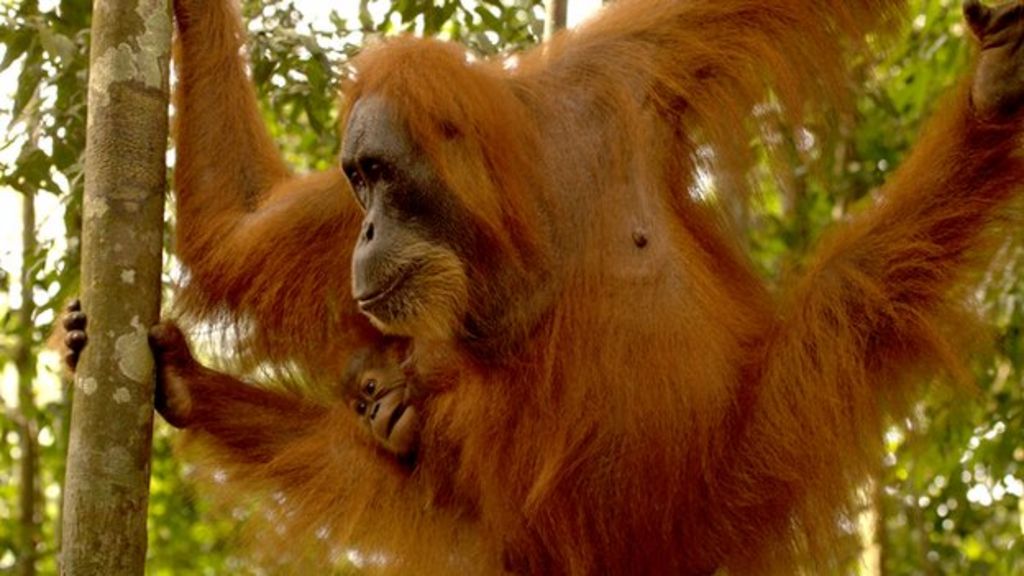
point(260, 244)
point(244, 424)
point(306, 466)
point(315, 476)
point(877, 309)
point(711, 61)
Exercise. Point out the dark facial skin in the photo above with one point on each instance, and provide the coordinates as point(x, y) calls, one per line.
point(379, 393)
point(407, 267)
point(379, 163)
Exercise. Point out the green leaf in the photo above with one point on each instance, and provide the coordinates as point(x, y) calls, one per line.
point(17, 43)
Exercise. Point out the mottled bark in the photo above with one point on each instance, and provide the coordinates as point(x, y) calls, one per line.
point(107, 481)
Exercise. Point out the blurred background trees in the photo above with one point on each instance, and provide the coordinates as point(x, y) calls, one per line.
point(951, 496)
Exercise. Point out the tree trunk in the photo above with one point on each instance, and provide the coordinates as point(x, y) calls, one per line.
point(556, 13)
point(112, 413)
point(62, 419)
point(25, 361)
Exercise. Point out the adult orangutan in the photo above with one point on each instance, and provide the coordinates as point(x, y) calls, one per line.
point(609, 388)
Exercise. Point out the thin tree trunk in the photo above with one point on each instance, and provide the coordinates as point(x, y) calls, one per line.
point(112, 413)
point(881, 530)
point(25, 361)
point(557, 11)
point(62, 420)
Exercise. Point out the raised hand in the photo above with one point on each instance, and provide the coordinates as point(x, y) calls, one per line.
point(998, 88)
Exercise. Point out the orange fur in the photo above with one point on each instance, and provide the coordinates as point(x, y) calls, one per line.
point(660, 412)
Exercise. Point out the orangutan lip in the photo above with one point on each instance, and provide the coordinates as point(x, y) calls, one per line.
point(396, 415)
point(381, 295)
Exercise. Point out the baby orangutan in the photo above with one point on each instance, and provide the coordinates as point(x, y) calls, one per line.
point(374, 387)
point(381, 394)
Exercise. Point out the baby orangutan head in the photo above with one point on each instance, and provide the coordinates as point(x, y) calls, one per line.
point(379, 393)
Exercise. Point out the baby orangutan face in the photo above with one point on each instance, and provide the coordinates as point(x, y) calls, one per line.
point(379, 393)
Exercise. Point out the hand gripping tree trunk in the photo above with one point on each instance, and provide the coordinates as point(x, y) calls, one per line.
point(112, 414)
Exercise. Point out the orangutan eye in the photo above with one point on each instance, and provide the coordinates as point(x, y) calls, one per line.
point(361, 407)
point(373, 169)
point(370, 387)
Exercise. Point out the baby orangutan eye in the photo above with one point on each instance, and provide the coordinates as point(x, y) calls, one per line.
point(361, 407)
point(370, 387)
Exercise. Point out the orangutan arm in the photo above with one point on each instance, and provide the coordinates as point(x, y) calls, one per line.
point(251, 235)
point(878, 307)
